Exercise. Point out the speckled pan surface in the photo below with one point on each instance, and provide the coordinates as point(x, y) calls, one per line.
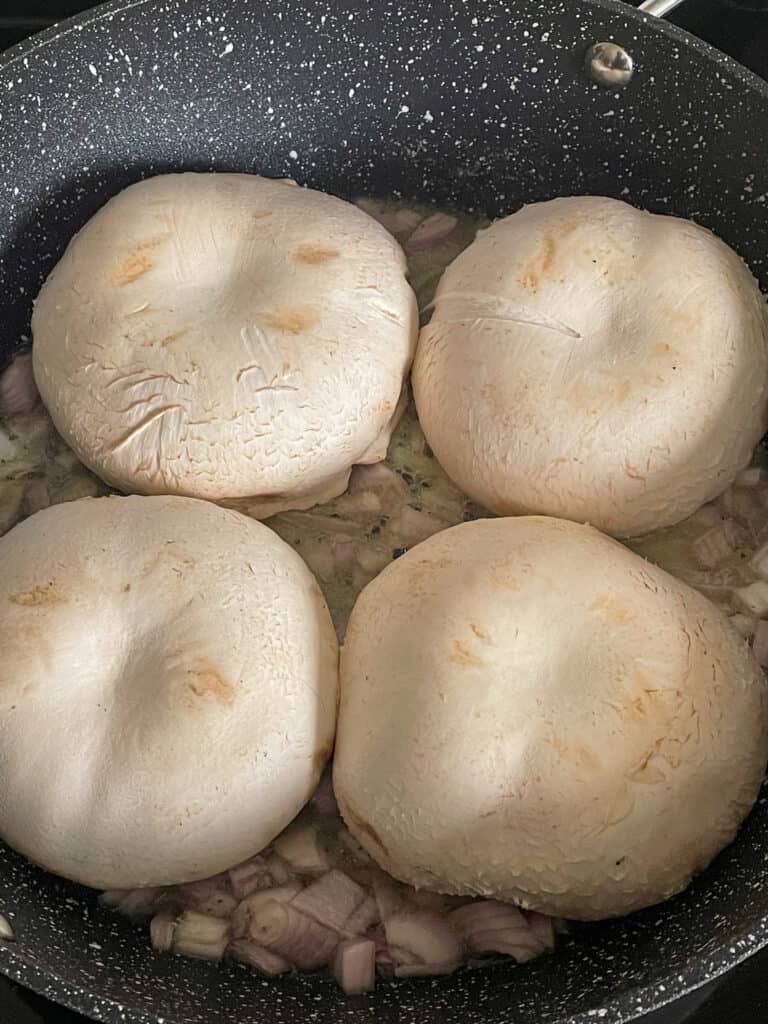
point(482, 105)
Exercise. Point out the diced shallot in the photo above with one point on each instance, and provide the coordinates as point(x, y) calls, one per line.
point(413, 526)
point(263, 959)
point(753, 598)
point(249, 877)
point(299, 846)
point(421, 937)
point(365, 917)
point(382, 481)
point(220, 904)
point(195, 893)
point(18, 391)
point(743, 624)
point(744, 506)
point(713, 547)
point(543, 927)
point(162, 928)
point(751, 477)
point(133, 902)
point(36, 496)
point(432, 232)
point(250, 908)
point(323, 799)
point(760, 644)
point(278, 870)
point(331, 900)
point(200, 936)
point(759, 563)
point(283, 929)
point(489, 926)
point(354, 966)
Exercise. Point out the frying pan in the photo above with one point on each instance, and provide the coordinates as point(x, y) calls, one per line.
point(477, 104)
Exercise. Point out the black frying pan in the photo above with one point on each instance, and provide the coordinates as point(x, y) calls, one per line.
point(481, 104)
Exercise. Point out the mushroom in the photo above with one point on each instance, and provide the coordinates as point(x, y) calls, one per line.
point(531, 712)
point(225, 336)
point(168, 689)
point(596, 362)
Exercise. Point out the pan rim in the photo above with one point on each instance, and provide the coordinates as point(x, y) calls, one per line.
point(625, 1006)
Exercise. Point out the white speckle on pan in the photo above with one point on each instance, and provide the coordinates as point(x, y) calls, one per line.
point(92, 69)
point(293, 155)
point(227, 50)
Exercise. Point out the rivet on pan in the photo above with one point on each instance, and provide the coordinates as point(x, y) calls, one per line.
point(6, 932)
point(610, 65)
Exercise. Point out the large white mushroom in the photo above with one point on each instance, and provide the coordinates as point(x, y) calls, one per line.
point(532, 712)
point(226, 336)
point(593, 361)
point(168, 689)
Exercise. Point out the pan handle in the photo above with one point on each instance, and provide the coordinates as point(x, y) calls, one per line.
point(659, 8)
point(609, 64)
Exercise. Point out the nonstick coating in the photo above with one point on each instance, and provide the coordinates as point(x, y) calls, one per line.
point(480, 104)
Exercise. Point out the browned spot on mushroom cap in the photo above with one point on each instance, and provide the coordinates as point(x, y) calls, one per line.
point(321, 758)
point(292, 321)
point(479, 633)
point(170, 338)
point(205, 681)
point(313, 255)
point(462, 655)
point(126, 588)
point(381, 407)
point(137, 262)
point(38, 597)
point(613, 610)
point(540, 265)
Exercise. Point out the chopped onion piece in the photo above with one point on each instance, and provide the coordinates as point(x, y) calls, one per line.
point(331, 900)
point(713, 547)
point(760, 644)
point(324, 799)
point(708, 515)
point(195, 893)
point(304, 942)
point(7, 933)
point(432, 232)
point(248, 877)
point(354, 966)
point(133, 902)
point(752, 477)
point(365, 917)
point(754, 598)
point(18, 391)
point(522, 945)
point(221, 904)
point(278, 870)
point(743, 624)
point(413, 526)
point(162, 928)
point(263, 959)
point(482, 915)
point(300, 847)
point(543, 928)
point(759, 562)
point(419, 936)
point(200, 936)
point(249, 909)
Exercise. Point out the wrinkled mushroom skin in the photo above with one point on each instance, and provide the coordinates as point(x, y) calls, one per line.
point(530, 711)
point(168, 689)
point(226, 336)
point(595, 362)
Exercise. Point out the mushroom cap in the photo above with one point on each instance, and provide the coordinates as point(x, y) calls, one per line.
point(593, 361)
point(532, 712)
point(168, 689)
point(226, 336)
